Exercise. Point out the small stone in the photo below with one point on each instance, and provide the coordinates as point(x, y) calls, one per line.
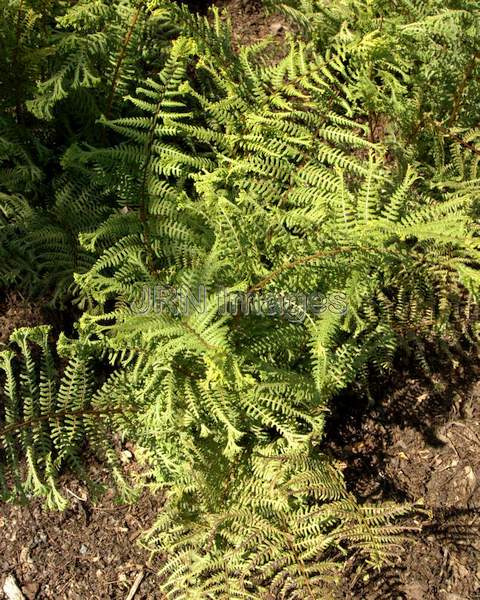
point(126, 456)
point(83, 549)
point(40, 537)
point(11, 589)
point(277, 27)
point(415, 591)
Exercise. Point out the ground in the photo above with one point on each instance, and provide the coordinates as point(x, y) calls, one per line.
point(88, 552)
point(419, 442)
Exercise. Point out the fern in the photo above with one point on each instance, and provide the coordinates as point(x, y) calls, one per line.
point(143, 155)
point(46, 418)
point(278, 529)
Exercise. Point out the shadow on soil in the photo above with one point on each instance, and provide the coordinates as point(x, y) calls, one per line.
point(419, 442)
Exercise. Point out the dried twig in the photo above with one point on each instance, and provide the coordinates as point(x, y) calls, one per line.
point(136, 585)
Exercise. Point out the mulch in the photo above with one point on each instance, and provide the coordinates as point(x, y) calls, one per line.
point(420, 443)
point(89, 551)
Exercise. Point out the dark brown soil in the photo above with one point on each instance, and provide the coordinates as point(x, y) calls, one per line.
point(16, 312)
point(250, 24)
point(88, 552)
point(420, 444)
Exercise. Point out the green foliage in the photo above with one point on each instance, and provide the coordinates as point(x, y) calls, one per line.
point(404, 62)
point(276, 533)
point(142, 152)
point(46, 418)
point(71, 65)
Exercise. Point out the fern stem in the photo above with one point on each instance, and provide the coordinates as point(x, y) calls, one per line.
point(200, 339)
point(458, 98)
point(121, 58)
point(454, 137)
point(141, 206)
point(371, 127)
point(143, 186)
point(300, 261)
point(29, 423)
point(299, 559)
point(19, 78)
